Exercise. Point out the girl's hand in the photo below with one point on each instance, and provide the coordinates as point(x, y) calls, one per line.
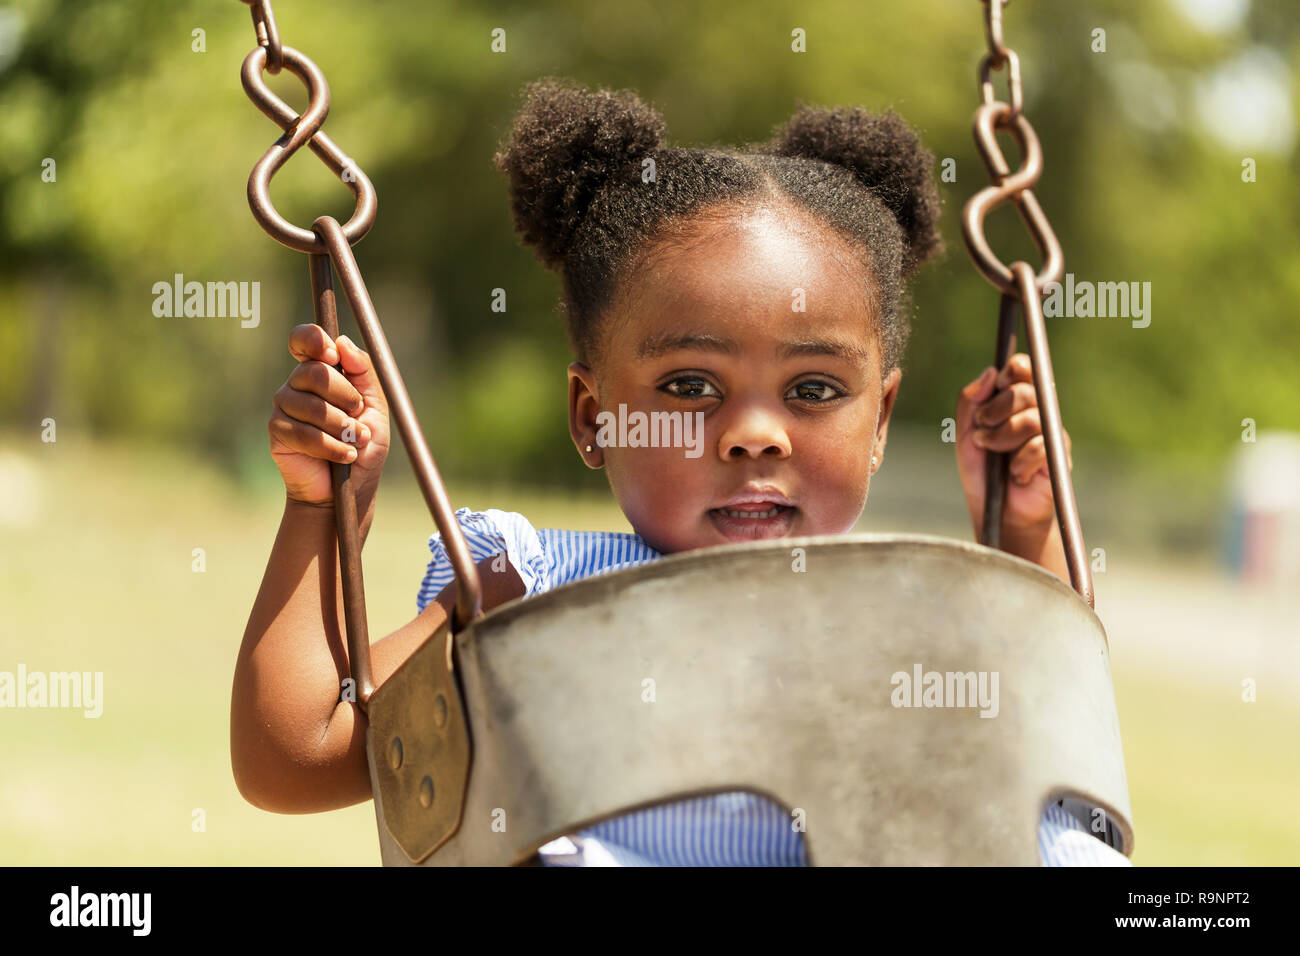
point(1000, 413)
point(313, 411)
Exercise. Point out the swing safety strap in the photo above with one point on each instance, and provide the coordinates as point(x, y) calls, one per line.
point(1019, 285)
point(328, 243)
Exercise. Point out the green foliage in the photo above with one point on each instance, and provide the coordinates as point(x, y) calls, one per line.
point(154, 143)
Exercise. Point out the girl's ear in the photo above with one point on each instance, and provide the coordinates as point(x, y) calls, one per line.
point(889, 392)
point(584, 404)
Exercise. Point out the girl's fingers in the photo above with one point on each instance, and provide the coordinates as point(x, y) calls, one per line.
point(311, 409)
point(970, 397)
point(1004, 404)
point(1024, 463)
point(308, 342)
point(996, 395)
point(1017, 369)
point(1011, 434)
point(1032, 458)
point(361, 372)
point(328, 383)
point(308, 439)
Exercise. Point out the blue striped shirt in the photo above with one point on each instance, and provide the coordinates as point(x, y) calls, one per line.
point(727, 829)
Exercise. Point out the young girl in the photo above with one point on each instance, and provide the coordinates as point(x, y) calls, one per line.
point(759, 291)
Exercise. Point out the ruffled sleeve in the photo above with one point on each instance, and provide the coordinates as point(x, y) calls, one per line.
point(489, 533)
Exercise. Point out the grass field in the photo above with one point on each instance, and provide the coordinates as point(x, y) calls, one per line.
point(96, 575)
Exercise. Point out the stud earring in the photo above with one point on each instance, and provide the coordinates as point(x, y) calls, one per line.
point(874, 460)
point(588, 449)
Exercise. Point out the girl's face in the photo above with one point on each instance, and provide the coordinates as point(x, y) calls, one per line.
point(761, 325)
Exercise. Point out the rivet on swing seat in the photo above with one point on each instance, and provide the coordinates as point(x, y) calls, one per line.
point(427, 751)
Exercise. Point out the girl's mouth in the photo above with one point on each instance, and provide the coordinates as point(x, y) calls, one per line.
point(753, 522)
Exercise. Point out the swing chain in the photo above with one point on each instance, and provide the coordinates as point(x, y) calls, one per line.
point(991, 118)
point(299, 130)
point(327, 245)
point(999, 55)
point(268, 34)
point(1020, 287)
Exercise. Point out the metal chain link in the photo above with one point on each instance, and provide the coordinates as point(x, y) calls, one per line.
point(328, 243)
point(999, 54)
point(268, 34)
point(299, 130)
point(991, 117)
point(1019, 285)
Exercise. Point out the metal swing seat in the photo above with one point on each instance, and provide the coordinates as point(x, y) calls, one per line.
point(772, 667)
point(765, 679)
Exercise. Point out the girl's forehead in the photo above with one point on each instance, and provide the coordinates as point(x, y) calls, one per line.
point(753, 277)
point(751, 254)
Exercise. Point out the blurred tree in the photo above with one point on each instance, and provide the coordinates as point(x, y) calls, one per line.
point(153, 143)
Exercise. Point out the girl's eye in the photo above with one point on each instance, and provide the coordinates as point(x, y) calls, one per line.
point(814, 391)
point(690, 387)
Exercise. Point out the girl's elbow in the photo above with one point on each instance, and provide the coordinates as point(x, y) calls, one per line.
point(271, 784)
point(263, 769)
point(255, 776)
point(251, 787)
point(281, 775)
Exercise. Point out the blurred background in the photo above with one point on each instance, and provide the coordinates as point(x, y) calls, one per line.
point(125, 146)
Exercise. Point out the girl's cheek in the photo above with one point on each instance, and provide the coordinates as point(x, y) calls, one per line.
point(834, 478)
point(655, 486)
point(834, 461)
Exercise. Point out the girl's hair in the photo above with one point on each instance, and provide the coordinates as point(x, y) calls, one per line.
point(575, 160)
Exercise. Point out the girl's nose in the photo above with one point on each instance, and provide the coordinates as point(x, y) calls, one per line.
point(754, 433)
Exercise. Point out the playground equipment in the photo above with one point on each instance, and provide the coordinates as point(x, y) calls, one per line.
point(506, 730)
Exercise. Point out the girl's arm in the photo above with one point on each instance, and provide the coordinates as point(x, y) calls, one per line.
point(294, 747)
